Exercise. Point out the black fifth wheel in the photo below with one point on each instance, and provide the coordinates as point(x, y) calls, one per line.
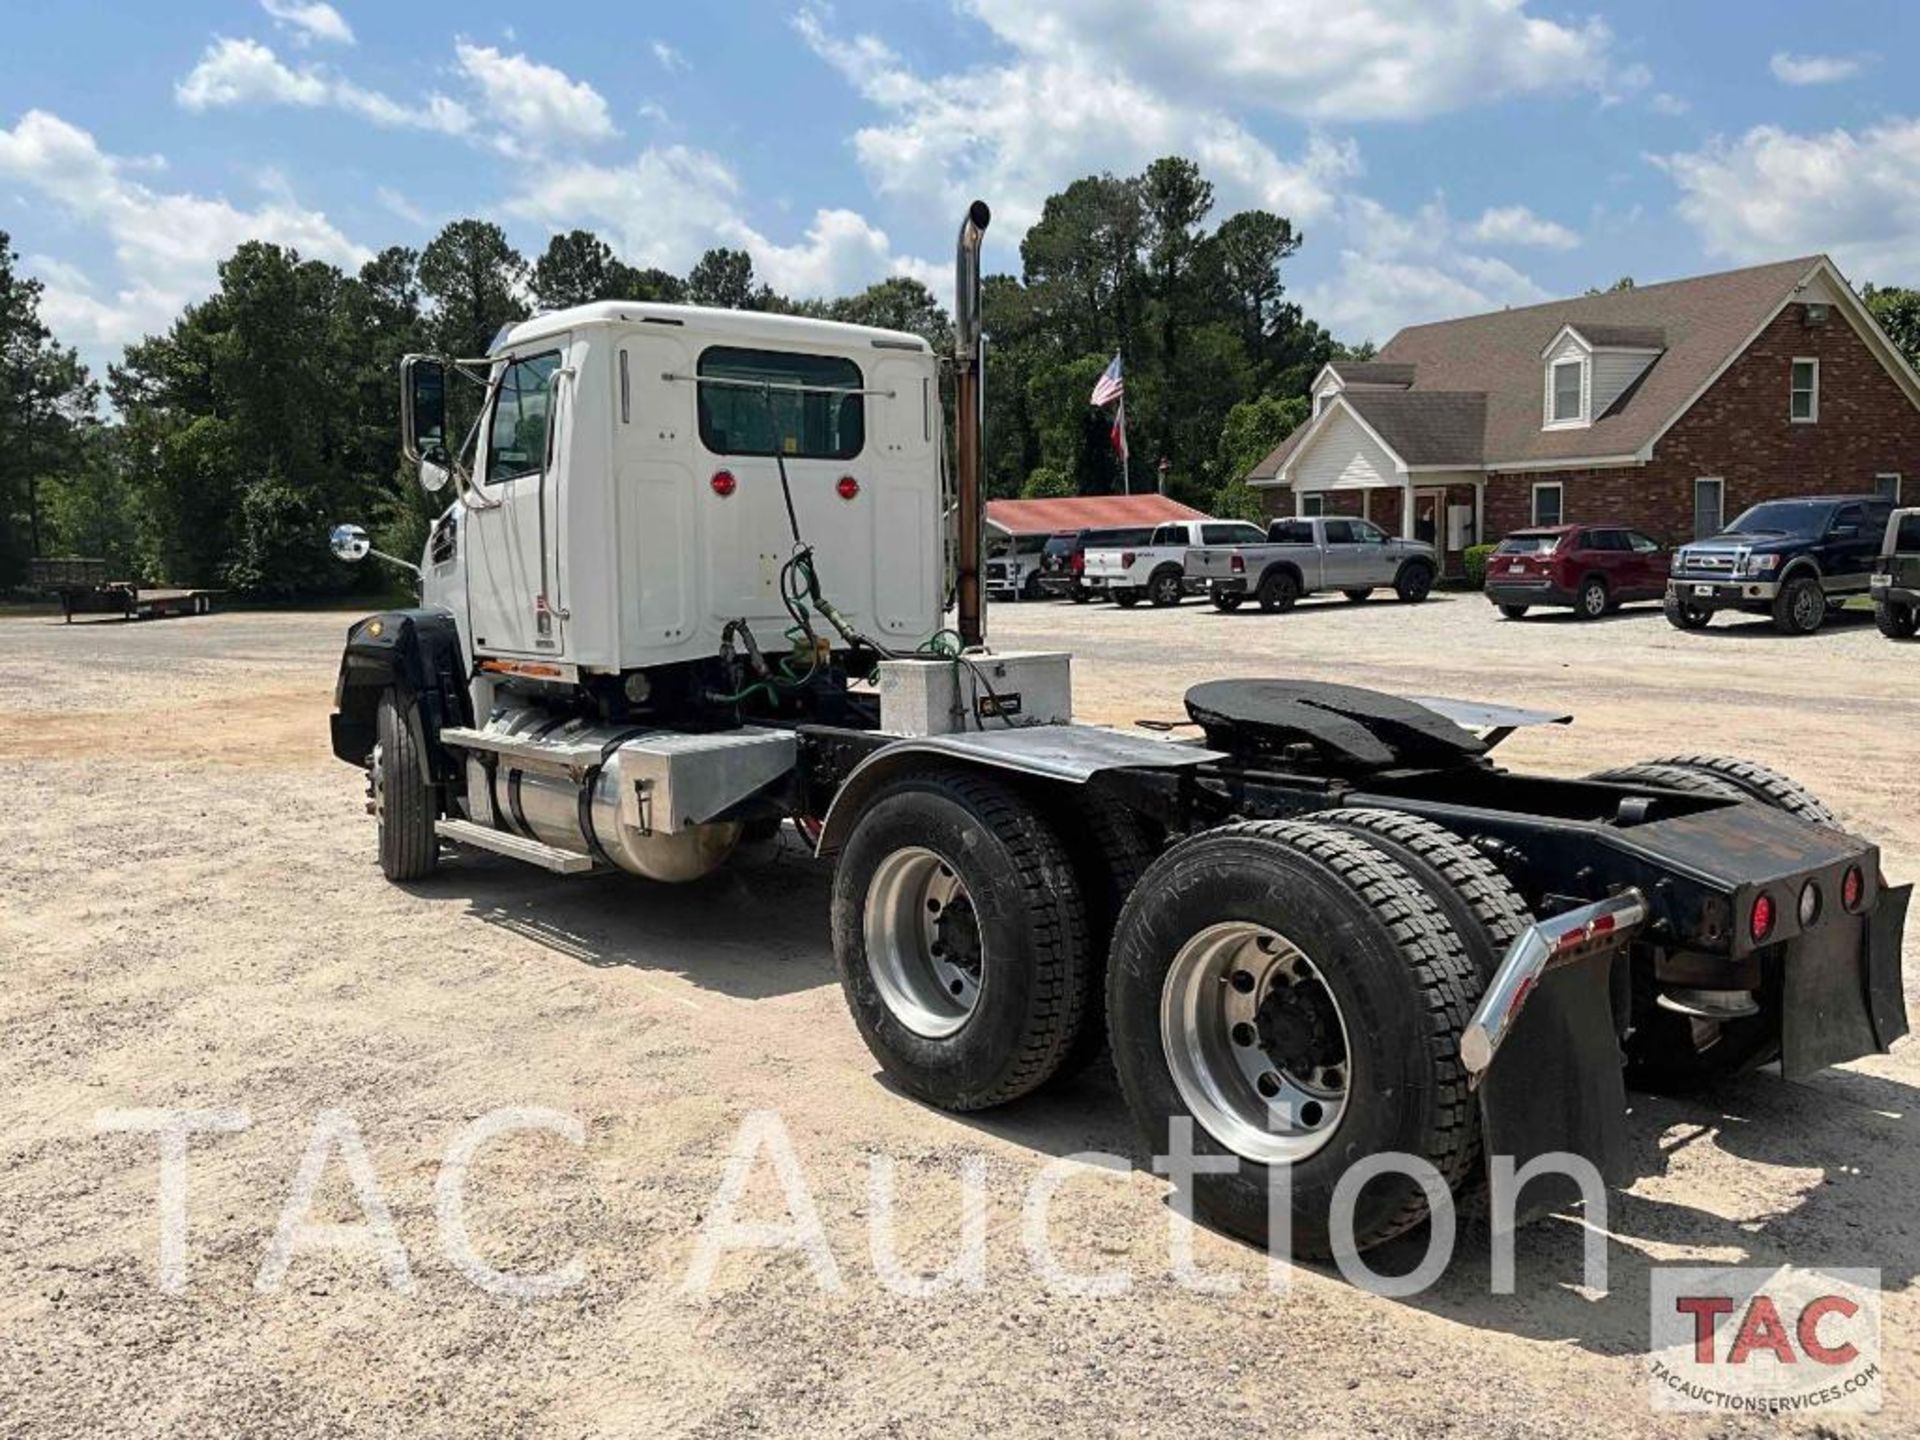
point(1299, 995)
point(962, 939)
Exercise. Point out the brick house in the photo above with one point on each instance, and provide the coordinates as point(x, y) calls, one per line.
point(1669, 408)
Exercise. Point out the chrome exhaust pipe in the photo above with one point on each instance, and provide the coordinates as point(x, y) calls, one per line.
point(969, 379)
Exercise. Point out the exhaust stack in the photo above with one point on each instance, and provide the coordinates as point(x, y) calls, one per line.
point(969, 377)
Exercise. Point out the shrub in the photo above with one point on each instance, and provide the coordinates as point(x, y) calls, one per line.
point(1046, 483)
point(1475, 559)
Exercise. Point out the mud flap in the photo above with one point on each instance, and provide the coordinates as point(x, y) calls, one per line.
point(1558, 1086)
point(1841, 993)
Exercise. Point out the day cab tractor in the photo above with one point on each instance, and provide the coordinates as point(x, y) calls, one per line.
point(693, 583)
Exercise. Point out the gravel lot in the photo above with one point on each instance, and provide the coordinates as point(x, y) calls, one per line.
point(190, 916)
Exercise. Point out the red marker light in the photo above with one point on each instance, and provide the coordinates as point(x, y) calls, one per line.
point(1761, 923)
point(1853, 889)
point(848, 487)
point(723, 483)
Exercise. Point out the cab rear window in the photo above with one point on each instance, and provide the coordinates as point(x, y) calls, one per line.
point(766, 402)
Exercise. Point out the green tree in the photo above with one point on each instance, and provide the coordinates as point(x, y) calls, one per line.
point(1253, 428)
point(473, 278)
point(1898, 312)
point(578, 268)
point(898, 303)
point(1046, 483)
point(724, 278)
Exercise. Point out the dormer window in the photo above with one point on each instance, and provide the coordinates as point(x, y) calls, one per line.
point(1567, 392)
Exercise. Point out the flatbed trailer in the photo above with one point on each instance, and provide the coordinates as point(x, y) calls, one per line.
point(82, 587)
point(1323, 928)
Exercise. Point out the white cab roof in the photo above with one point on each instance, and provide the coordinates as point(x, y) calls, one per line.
point(744, 325)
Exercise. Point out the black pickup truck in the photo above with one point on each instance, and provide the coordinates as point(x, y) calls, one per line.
point(1791, 559)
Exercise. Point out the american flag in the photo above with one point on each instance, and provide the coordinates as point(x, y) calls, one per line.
point(1110, 387)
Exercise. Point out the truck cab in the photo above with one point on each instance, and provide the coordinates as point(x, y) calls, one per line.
point(1793, 560)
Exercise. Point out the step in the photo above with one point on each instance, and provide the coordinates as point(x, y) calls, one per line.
point(553, 757)
point(561, 862)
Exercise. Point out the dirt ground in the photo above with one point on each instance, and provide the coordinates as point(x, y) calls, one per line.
point(191, 916)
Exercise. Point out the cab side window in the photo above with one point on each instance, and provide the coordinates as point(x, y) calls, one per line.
point(1340, 532)
point(517, 434)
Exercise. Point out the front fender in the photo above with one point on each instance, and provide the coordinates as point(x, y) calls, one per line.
point(416, 652)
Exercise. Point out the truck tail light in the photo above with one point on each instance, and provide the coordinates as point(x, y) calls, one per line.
point(1126, 559)
point(1760, 922)
point(1079, 562)
point(1237, 564)
point(1853, 888)
point(723, 483)
point(848, 487)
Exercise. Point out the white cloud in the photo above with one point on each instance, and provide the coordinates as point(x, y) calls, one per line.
point(1517, 225)
point(1666, 104)
point(309, 21)
point(537, 103)
point(166, 246)
point(245, 72)
point(1772, 194)
point(1813, 69)
point(670, 204)
point(1396, 270)
point(1361, 60)
point(671, 60)
point(1017, 132)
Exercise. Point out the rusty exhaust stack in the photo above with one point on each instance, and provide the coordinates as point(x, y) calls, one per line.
point(967, 419)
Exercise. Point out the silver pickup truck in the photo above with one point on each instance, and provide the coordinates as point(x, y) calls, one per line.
point(1302, 556)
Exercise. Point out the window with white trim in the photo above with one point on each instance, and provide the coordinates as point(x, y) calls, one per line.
point(1803, 399)
point(1311, 505)
point(1887, 487)
point(1709, 506)
point(1567, 392)
point(1549, 502)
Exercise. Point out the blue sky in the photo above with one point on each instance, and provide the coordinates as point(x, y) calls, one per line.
point(1441, 156)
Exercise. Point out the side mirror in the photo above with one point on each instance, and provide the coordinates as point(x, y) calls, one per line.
point(423, 406)
point(350, 543)
point(433, 475)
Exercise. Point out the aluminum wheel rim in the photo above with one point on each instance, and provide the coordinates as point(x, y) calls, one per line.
point(1594, 600)
point(1809, 605)
point(924, 949)
point(1218, 1012)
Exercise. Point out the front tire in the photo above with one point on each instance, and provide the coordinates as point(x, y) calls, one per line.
point(1297, 994)
point(404, 806)
point(1165, 589)
point(1414, 583)
point(1227, 604)
point(1897, 621)
point(1801, 606)
point(1515, 612)
point(1356, 597)
point(961, 937)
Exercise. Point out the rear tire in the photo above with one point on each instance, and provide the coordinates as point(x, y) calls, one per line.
point(1515, 612)
point(1279, 590)
point(1897, 621)
point(1683, 615)
point(961, 937)
point(1356, 597)
point(1126, 599)
point(1757, 782)
point(1594, 600)
point(404, 804)
point(1414, 582)
point(1384, 976)
point(1801, 606)
point(1081, 595)
point(1227, 604)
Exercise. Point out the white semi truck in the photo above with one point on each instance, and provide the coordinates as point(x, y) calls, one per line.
point(694, 582)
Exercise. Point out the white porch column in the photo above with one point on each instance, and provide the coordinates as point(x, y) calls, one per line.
point(1406, 508)
point(1480, 511)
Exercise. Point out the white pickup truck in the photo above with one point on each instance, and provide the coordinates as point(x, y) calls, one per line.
point(1299, 556)
point(1157, 571)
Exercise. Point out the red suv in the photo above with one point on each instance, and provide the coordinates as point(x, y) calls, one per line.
point(1593, 568)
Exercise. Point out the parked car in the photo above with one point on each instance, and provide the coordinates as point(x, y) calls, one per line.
point(1302, 556)
point(1594, 569)
point(1157, 571)
point(1013, 568)
point(1895, 585)
point(1791, 559)
point(1063, 562)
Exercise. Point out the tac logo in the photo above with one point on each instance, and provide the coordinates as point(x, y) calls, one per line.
point(1764, 1341)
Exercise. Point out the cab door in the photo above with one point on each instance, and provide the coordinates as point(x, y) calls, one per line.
point(515, 604)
